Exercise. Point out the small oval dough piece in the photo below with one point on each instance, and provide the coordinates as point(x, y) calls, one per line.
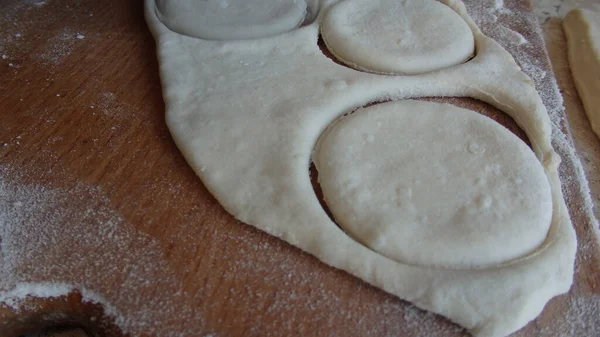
point(582, 29)
point(397, 36)
point(433, 184)
point(231, 19)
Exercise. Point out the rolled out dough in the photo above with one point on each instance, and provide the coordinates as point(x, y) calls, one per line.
point(397, 36)
point(431, 184)
point(247, 114)
point(582, 29)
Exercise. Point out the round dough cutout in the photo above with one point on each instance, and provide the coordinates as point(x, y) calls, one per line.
point(397, 36)
point(433, 184)
point(231, 19)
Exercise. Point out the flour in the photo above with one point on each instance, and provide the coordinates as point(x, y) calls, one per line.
point(512, 36)
point(13, 39)
point(14, 298)
point(493, 5)
point(40, 225)
point(583, 310)
point(17, 42)
point(59, 47)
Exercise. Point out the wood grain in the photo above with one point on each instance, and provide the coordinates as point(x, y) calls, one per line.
point(89, 111)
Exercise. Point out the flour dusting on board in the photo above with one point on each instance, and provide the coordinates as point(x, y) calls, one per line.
point(12, 36)
point(59, 47)
point(581, 315)
point(18, 43)
point(40, 226)
point(14, 297)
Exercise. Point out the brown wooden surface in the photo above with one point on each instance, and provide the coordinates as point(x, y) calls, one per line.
point(88, 112)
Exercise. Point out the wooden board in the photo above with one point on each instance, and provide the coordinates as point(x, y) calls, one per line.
point(104, 202)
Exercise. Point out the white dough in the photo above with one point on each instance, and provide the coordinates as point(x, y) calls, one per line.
point(582, 29)
point(435, 185)
point(247, 115)
point(231, 19)
point(397, 36)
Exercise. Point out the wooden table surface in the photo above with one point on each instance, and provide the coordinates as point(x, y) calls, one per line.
point(114, 210)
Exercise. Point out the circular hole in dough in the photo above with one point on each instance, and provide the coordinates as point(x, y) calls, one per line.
point(397, 36)
point(231, 19)
point(432, 184)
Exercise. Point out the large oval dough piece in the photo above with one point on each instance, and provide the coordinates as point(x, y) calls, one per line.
point(397, 36)
point(231, 19)
point(433, 184)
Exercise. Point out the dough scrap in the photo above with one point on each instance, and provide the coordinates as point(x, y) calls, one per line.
point(231, 19)
point(247, 114)
point(434, 185)
point(397, 36)
point(582, 29)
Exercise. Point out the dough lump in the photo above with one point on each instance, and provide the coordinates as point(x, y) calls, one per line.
point(397, 36)
point(433, 184)
point(582, 28)
point(231, 19)
point(246, 114)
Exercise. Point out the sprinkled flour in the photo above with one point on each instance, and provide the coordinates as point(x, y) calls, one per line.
point(581, 315)
point(41, 225)
point(60, 47)
point(20, 38)
point(14, 297)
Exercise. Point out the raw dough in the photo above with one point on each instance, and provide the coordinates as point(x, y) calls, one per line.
point(231, 19)
point(432, 184)
point(582, 28)
point(247, 114)
point(397, 36)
